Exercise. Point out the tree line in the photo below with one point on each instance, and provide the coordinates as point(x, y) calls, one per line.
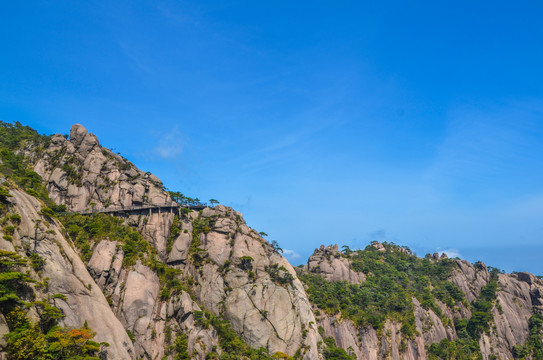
point(183, 200)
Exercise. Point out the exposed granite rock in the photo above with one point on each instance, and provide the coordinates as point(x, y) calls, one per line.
point(180, 248)
point(430, 326)
point(329, 262)
point(3, 331)
point(138, 303)
point(100, 262)
point(470, 279)
point(79, 172)
point(235, 274)
point(267, 313)
point(518, 297)
point(68, 276)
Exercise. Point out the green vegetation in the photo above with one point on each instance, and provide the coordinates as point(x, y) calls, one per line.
point(246, 263)
point(43, 339)
point(130, 335)
point(180, 346)
point(199, 226)
point(85, 231)
point(461, 349)
point(232, 345)
point(393, 278)
point(13, 283)
point(13, 139)
point(188, 201)
point(279, 275)
point(4, 194)
point(534, 346)
point(16, 136)
point(175, 230)
point(73, 174)
point(469, 330)
point(169, 279)
point(333, 352)
point(37, 262)
point(276, 247)
point(481, 316)
point(213, 202)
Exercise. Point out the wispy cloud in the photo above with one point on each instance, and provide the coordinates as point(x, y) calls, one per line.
point(290, 254)
point(452, 253)
point(170, 145)
point(484, 143)
point(172, 15)
point(136, 56)
point(382, 236)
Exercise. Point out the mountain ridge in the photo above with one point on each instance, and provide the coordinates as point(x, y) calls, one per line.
point(204, 285)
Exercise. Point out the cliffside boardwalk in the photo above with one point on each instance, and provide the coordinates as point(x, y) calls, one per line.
point(143, 209)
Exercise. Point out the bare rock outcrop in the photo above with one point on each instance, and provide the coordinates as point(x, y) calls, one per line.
point(225, 270)
point(329, 262)
point(241, 277)
point(518, 297)
point(236, 275)
point(470, 278)
point(68, 276)
point(81, 174)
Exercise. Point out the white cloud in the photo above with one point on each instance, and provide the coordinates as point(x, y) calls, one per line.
point(451, 253)
point(170, 145)
point(290, 254)
point(168, 151)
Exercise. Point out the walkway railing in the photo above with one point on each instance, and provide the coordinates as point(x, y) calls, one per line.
point(132, 209)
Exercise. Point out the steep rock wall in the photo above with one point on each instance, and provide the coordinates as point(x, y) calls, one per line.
point(66, 275)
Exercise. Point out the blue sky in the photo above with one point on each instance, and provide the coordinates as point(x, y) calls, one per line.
point(322, 122)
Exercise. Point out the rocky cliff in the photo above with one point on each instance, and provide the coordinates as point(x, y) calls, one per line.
point(62, 273)
point(154, 280)
point(505, 323)
point(81, 174)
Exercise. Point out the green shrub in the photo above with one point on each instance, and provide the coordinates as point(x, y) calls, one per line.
point(279, 275)
point(16, 218)
point(85, 231)
point(333, 352)
point(130, 335)
point(393, 278)
point(9, 230)
point(175, 230)
point(46, 211)
point(37, 262)
point(44, 339)
point(232, 345)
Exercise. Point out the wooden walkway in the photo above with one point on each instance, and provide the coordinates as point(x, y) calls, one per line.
point(144, 209)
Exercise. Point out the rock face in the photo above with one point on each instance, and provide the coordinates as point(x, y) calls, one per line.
point(210, 265)
point(83, 175)
point(237, 275)
point(261, 297)
point(79, 172)
point(67, 276)
point(518, 297)
point(328, 262)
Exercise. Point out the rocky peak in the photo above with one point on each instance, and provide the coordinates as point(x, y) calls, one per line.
point(77, 133)
point(208, 268)
point(82, 140)
point(378, 246)
point(79, 172)
point(528, 278)
point(79, 298)
point(330, 263)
